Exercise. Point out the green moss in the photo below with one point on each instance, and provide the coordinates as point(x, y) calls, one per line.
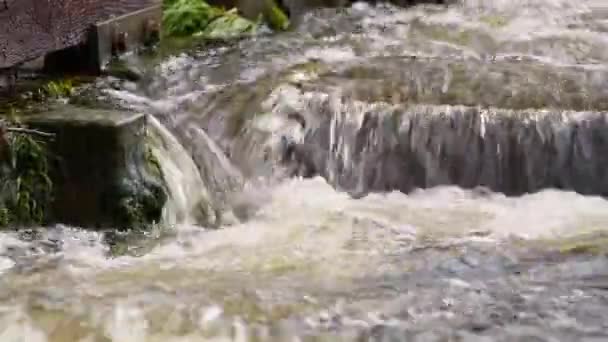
point(183, 18)
point(58, 88)
point(137, 200)
point(131, 209)
point(275, 17)
point(229, 25)
point(138, 204)
point(36, 95)
point(186, 17)
point(196, 17)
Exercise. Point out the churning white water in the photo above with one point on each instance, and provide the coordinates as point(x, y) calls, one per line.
point(307, 252)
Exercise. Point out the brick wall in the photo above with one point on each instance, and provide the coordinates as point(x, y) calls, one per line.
point(32, 28)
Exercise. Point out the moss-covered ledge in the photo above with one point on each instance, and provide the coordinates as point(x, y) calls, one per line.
point(102, 173)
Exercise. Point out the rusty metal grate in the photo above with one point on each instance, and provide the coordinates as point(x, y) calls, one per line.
point(32, 28)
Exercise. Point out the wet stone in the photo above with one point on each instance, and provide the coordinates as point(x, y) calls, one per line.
point(99, 168)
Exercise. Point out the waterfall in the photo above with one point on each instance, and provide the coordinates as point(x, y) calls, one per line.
point(189, 200)
point(198, 176)
point(374, 146)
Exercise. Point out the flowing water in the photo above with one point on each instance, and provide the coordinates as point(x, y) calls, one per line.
point(380, 173)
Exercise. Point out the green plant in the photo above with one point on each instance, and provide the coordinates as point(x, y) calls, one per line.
point(187, 17)
point(196, 17)
point(168, 3)
point(27, 188)
point(275, 17)
point(230, 24)
point(58, 89)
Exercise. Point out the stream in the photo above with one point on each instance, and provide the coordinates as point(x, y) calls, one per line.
point(379, 173)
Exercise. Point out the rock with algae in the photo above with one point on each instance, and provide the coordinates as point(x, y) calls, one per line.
point(102, 173)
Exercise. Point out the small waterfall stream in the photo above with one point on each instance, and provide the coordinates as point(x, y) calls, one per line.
point(365, 147)
point(376, 174)
point(200, 178)
point(189, 198)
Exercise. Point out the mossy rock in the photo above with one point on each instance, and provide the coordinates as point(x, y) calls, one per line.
point(136, 202)
point(104, 175)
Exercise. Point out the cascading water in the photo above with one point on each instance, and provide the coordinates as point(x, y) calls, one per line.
point(188, 194)
point(392, 114)
point(380, 147)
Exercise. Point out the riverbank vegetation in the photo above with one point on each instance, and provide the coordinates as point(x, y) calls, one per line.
point(196, 17)
point(25, 185)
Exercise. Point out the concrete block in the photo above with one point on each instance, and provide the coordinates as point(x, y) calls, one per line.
point(100, 168)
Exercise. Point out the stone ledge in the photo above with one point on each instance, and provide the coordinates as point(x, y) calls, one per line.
point(99, 166)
